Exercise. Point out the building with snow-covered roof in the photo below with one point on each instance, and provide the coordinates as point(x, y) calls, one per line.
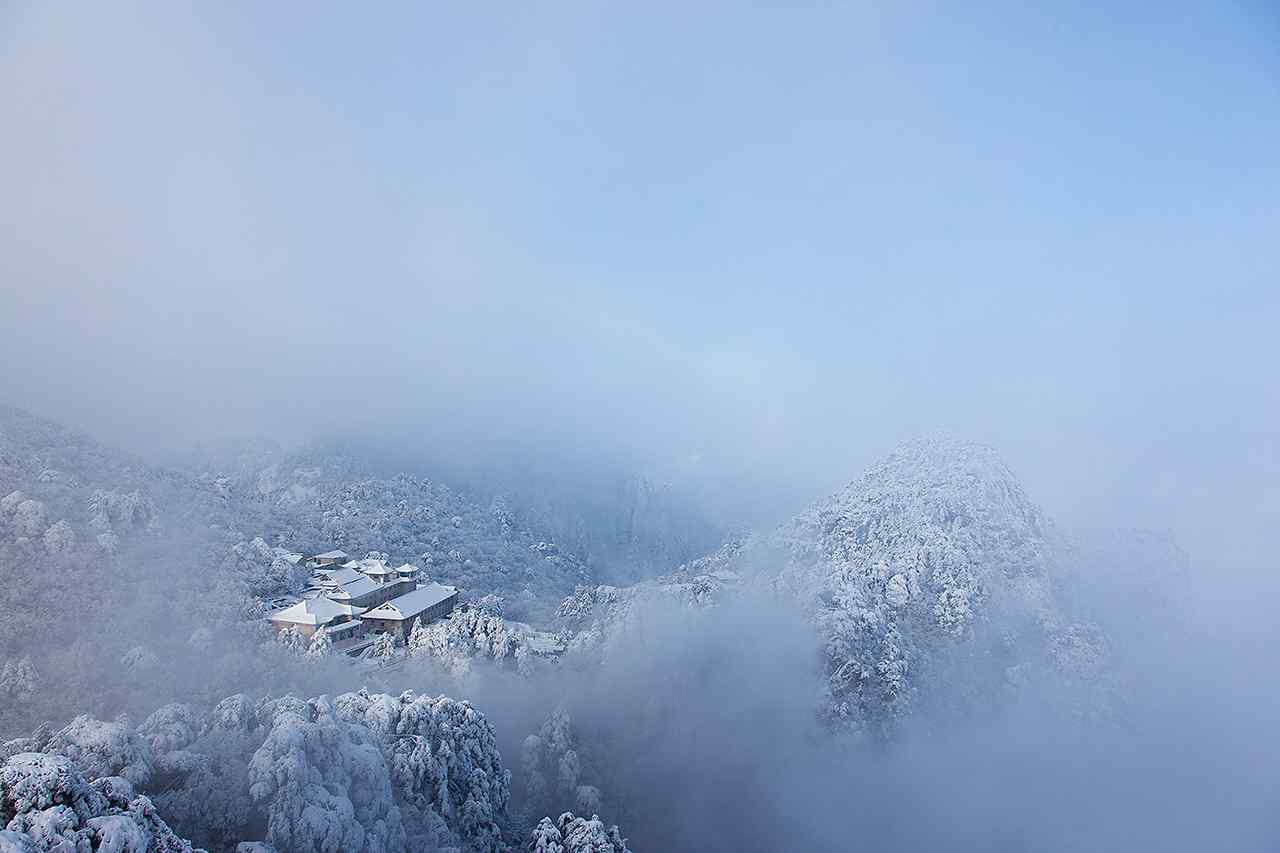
point(312, 614)
point(328, 558)
point(351, 590)
point(374, 568)
point(364, 591)
point(332, 577)
point(429, 601)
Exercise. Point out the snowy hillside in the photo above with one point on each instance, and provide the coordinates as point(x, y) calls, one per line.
point(79, 509)
point(627, 525)
point(84, 529)
point(312, 504)
point(59, 487)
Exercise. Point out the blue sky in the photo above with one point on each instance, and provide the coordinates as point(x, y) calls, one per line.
point(761, 243)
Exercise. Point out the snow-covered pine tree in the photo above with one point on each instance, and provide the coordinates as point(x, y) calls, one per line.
point(419, 638)
point(292, 639)
point(384, 646)
point(19, 679)
point(320, 645)
point(571, 834)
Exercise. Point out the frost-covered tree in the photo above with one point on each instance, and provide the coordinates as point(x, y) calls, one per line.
point(470, 633)
point(60, 538)
point(492, 603)
point(384, 646)
point(320, 645)
point(264, 570)
point(293, 639)
point(113, 509)
point(108, 542)
point(28, 518)
point(570, 834)
point(172, 727)
point(202, 787)
point(446, 769)
point(203, 793)
point(553, 768)
point(568, 768)
point(235, 713)
point(19, 678)
point(9, 503)
point(546, 838)
point(36, 742)
point(325, 785)
point(47, 805)
point(101, 748)
point(587, 799)
point(1081, 656)
point(418, 639)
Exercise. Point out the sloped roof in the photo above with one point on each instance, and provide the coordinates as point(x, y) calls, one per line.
point(413, 603)
point(330, 555)
point(375, 567)
point(339, 576)
point(354, 588)
point(315, 611)
point(407, 569)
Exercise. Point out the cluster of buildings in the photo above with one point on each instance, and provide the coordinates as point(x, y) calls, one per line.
point(351, 598)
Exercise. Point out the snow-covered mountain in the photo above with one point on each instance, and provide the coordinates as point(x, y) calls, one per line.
point(932, 568)
point(933, 581)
